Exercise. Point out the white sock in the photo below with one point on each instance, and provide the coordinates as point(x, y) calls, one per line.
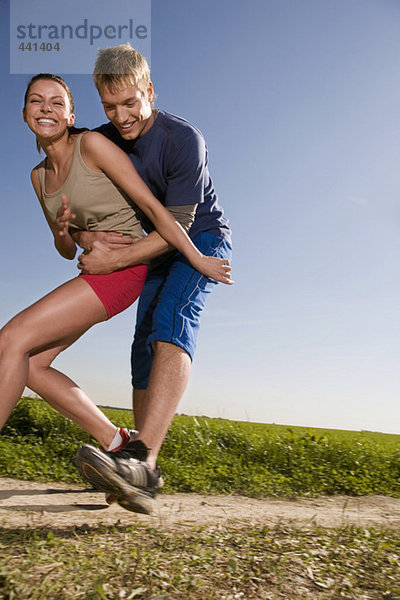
point(116, 442)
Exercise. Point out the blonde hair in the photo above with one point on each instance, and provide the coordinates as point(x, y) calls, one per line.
point(120, 66)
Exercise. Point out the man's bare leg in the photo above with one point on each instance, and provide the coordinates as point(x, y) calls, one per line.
point(135, 484)
point(156, 406)
point(139, 401)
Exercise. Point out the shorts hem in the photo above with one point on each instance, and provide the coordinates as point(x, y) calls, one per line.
point(174, 342)
point(107, 308)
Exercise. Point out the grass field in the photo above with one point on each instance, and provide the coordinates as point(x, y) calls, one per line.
point(209, 563)
point(216, 456)
point(215, 562)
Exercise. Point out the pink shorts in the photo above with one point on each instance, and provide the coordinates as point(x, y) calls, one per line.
point(118, 290)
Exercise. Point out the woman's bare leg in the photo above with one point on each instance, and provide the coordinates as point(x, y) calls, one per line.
point(65, 396)
point(47, 327)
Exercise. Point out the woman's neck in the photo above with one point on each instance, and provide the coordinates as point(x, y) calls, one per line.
point(58, 151)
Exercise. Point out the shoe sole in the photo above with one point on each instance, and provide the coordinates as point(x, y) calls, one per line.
point(113, 498)
point(99, 473)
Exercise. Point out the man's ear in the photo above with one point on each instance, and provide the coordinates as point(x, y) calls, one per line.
point(150, 92)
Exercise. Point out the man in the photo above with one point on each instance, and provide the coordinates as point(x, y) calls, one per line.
point(171, 156)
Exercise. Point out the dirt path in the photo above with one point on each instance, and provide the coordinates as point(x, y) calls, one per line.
point(27, 503)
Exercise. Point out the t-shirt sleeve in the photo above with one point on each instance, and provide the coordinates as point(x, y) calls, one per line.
point(186, 172)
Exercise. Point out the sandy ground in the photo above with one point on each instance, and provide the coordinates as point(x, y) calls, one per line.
point(31, 504)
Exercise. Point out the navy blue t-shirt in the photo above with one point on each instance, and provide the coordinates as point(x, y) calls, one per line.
point(172, 159)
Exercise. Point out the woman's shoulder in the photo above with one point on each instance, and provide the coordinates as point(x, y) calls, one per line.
point(94, 148)
point(97, 150)
point(92, 140)
point(35, 176)
point(35, 173)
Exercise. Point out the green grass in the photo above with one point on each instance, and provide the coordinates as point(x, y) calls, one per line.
point(209, 563)
point(216, 456)
point(218, 562)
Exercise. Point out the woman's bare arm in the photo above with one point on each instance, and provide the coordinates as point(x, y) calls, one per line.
point(99, 153)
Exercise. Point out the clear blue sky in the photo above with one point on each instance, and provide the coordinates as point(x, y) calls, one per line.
point(299, 101)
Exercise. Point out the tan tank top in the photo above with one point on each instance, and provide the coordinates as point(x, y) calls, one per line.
point(98, 203)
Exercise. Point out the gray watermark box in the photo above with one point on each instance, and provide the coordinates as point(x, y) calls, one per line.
point(50, 37)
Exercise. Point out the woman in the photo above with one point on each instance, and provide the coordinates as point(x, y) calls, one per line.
point(77, 187)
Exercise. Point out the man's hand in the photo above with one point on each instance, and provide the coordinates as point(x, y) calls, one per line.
point(111, 239)
point(64, 217)
point(121, 254)
point(100, 260)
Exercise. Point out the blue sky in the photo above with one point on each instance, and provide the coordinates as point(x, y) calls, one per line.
point(299, 103)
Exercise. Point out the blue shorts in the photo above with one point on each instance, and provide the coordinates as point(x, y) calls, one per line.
point(170, 305)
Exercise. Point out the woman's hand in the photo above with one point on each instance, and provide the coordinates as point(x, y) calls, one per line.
point(63, 241)
point(216, 268)
point(64, 217)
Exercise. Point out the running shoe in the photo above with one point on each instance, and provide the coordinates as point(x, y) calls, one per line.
point(127, 435)
point(124, 474)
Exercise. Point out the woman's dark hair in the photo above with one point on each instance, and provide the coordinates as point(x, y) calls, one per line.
point(60, 80)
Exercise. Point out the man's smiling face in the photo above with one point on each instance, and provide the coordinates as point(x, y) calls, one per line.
point(129, 109)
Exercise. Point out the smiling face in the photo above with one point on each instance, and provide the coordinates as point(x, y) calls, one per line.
point(129, 109)
point(47, 110)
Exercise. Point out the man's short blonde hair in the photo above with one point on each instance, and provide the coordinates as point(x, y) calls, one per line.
point(120, 66)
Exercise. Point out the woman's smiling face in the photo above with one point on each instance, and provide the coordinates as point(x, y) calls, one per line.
point(47, 111)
